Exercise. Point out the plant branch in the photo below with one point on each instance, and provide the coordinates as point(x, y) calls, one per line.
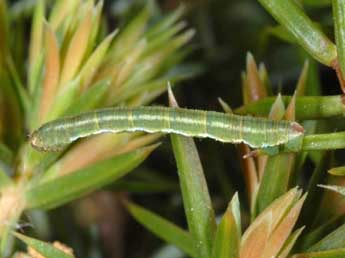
point(327, 141)
point(308, 107)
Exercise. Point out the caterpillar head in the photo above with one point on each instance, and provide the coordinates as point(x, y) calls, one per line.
point(41, 142)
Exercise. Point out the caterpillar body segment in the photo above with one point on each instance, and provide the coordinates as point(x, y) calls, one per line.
point(256, 132)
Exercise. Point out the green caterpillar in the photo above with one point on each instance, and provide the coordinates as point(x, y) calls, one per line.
point(271, 135)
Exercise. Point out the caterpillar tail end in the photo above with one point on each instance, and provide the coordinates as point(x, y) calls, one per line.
point(297, 127)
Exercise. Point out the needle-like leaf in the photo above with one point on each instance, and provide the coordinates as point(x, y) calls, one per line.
point(52, 72)
point(334, 240)
point(196, 198)
point(164, 229)
point(36, 42)
point(307, 34)
point(66, 188)
point(338, 171)
point(335, 188)
point(76, 50)
point(228, 236)
point(45, 249)
point(339, 24)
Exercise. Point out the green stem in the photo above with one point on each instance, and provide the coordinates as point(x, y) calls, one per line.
point(309, 107)
point(339, 24)
point(327, 141)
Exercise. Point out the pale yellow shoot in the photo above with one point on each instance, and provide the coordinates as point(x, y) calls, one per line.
point(36, 37)
point(93, 63)
point(281, 233)
point(130, 36)
point(128, 65)
point(77, 158)
point(281, 205)
point(52, 72)
point(133, 144)
point(290, 110)
point(256, 90)
point(96, 18)
point(254, 239)
point(264, 77)
point(61, 10)
point(76, 49)
point(278, 109)
point(103, 147)
point(261, 241)
point(290, 243)
point(301, 84)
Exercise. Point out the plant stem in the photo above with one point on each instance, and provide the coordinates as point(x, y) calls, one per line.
point(339, 24)
point(327, 141)
point(309, 107)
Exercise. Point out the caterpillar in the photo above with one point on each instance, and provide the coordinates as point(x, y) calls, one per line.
point(256, 132)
